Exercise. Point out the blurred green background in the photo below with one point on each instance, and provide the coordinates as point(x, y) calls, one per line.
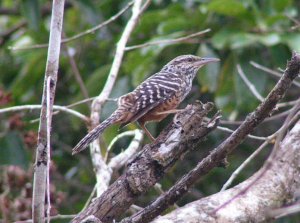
point(241, 31)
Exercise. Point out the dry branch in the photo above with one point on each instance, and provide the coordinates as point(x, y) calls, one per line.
point(188, 128)
point(217, 156)
point(270, 71)
point(167, 41)
point(79, 35)
point(251, 86)
point(34, 107)
point(42, 154)
point(278, 186)
point(102, 171)
point(122, 158)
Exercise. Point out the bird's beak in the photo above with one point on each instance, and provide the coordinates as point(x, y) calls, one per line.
point(204, 61)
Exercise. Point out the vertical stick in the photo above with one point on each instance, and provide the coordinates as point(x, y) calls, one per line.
point(103, 173)
point(43, 146)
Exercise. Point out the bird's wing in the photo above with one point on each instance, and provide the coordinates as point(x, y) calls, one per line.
point(153, 92)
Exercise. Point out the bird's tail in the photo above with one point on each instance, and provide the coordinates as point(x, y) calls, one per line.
point(92, 135)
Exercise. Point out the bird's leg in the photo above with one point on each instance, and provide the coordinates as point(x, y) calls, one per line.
point(172, 111)
point(142, 124)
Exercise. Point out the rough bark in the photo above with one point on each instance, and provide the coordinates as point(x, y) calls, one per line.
point(217, 156)
point(185, 132)
point(277, 186)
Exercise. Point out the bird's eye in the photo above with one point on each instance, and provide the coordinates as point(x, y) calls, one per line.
point(190, 59)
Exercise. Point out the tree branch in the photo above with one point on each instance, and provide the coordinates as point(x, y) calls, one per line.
point(42, 154)
point(55, 107)
point(8, 33)
point(244, 164)
point(121, 159)
point(217, 156)
point(167, 41)
point(79, 35)
point(76, 73)
point(188, 128)
point(270, 71)
point(278, 186)
point(102, 171)
point(251, 86)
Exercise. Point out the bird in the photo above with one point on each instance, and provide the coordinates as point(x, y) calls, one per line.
point(154, 99)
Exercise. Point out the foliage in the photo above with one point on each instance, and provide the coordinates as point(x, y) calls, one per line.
point(241, 31)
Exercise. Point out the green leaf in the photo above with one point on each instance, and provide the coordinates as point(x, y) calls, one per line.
point(270, 39)
point(280, 5)
point(233, 39)
point(31, 11)
point(31, 73)
point(140, 63)
point(292, 40)
point(227, 7)
point(96, 80)
point(241, 40)
point(12, 151)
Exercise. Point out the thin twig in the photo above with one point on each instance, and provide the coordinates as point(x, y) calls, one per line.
point(76, 73)
point(168, 41)
point(8, 33)
point(292, 117)
point(272, 118)
point(59, 216)
point(88, 99)
point(265, 69)
point(285, 104)
point(88, 201)
point(145, 6)
point(278, 116)
point(58, 108)
point(243, 165)
point(135, 208)
point(251, 86)
point(115, 139)
point(121, 159)
point(225, 129)
point(105, 23)
point(270, 71)
point(297, 22)
point(38, 107)
point(159, 189)
point(80, 102)
point(79, 35)
point(252, 156)
point(284, 211)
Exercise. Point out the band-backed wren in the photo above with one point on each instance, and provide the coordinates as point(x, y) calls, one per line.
point(154, 99)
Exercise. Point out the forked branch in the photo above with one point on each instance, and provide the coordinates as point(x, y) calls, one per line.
point(188, 128)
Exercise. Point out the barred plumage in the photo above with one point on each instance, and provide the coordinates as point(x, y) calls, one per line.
point(92, 135)
point(153, 99)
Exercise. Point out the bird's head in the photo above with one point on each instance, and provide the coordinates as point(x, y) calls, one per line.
point(187, 64)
